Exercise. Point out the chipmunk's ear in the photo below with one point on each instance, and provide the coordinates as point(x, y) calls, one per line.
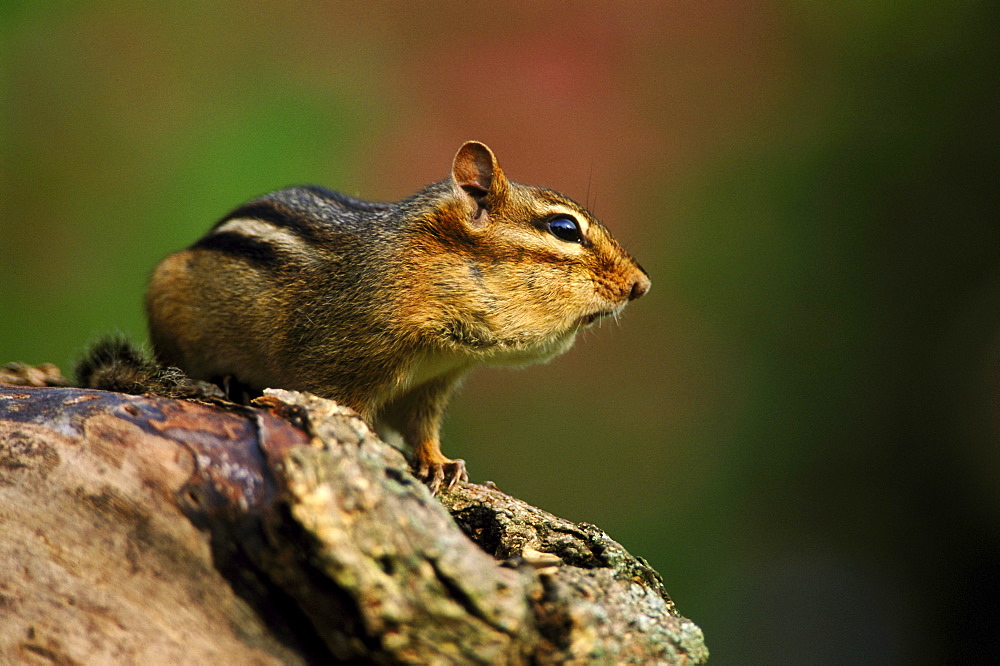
point(479, 178)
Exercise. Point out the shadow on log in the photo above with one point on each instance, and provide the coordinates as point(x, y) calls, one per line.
point(149, 530)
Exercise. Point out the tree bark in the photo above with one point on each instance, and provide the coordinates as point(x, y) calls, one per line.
point(138, 529)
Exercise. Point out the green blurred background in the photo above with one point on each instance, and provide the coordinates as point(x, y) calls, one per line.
point(798, 426)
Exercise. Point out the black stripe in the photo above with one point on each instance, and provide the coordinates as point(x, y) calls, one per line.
point(238, 245)
point(273, 212)
point(321, 191)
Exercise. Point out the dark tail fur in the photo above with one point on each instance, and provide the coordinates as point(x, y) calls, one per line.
point(116, 364)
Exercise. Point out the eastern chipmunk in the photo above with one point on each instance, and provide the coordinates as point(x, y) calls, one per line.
point(384, 307)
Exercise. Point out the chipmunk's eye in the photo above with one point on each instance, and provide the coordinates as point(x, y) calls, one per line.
point(566, 229)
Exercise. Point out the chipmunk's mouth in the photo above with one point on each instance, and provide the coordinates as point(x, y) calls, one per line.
point(587, 320)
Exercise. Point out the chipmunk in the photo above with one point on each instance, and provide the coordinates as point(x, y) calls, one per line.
point(385, 307)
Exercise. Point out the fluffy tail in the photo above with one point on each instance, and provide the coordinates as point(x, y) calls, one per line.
point(116, 364)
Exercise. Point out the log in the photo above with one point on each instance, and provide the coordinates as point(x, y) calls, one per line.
point(140, 529)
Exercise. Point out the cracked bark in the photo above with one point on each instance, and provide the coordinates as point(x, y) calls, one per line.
point(144, 529)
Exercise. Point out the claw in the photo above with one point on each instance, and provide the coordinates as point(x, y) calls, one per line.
point(436, 478)
point(442, 474)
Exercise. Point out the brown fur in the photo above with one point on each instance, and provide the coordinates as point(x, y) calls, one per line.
point(385, 307)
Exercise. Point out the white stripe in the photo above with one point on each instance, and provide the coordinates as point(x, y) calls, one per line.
point(280, 237)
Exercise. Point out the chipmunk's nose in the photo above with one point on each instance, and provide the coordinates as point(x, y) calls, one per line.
point(640, 286)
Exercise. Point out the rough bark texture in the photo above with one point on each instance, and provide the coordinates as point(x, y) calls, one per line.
point(148, 530)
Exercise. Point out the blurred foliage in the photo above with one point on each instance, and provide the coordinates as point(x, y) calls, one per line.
point(798, 426)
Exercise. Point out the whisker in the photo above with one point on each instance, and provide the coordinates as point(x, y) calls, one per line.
point(590, 177)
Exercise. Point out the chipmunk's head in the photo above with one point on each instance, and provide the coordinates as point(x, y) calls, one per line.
point(526, 268)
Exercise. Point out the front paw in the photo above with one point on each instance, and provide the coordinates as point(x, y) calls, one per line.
point(442, 475)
